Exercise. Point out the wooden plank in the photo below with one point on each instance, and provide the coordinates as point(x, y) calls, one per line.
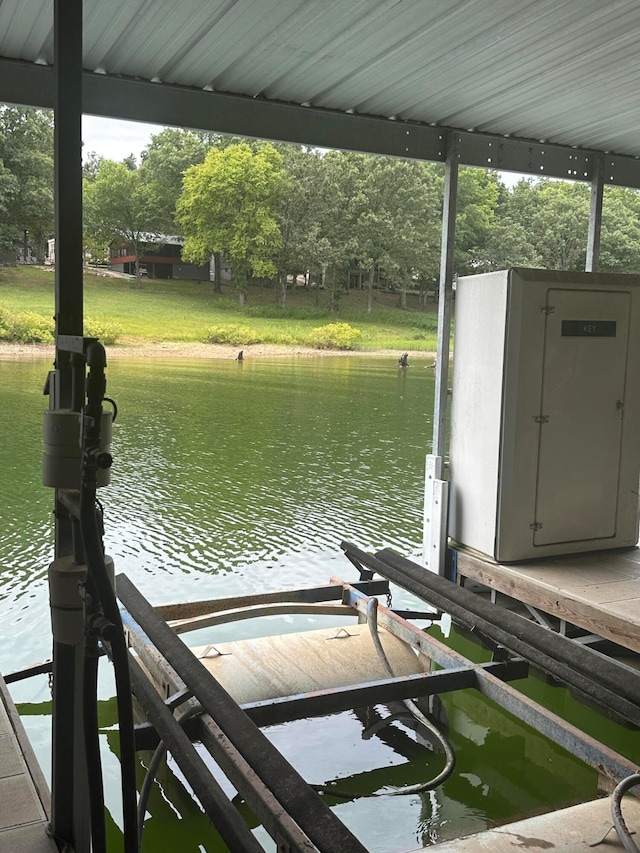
point(602, 593)
point(539, 585)
point(24, 795)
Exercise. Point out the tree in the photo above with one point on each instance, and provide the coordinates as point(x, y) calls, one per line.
point(116, 205)
point(478, 193)
point(164, 162)
point(395, 220)
point(227, 205)
point(620, 239)
point(546, 224)
point(305, 205)
point(26, 177)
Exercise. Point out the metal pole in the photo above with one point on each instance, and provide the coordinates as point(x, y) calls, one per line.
point(445, 295)
point(595, 215)
point(69, 802)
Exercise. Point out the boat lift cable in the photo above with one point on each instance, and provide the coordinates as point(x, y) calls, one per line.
point(99, 575)
point(416, 714)
point(616, 812)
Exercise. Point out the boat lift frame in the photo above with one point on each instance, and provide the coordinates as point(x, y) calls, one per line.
point(282, 801)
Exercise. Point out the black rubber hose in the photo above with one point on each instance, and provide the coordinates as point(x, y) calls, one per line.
point(616, 812)
point(416, 715)
point(447, 770)
point(92, 750)
point(152, 770)
point(120, 658)
point(581, 668)
point(99, 577)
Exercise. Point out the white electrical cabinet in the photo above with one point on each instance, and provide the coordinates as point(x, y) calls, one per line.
point(545, 413)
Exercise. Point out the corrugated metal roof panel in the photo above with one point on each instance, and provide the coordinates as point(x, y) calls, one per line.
point(559, 70)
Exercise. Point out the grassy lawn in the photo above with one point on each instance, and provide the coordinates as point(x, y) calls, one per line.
point(163, 310)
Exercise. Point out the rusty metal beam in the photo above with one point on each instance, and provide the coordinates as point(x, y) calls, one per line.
point(593, 675)
point(320, 702)
point(224, 816)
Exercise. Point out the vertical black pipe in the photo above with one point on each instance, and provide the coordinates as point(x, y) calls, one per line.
point(69, 806)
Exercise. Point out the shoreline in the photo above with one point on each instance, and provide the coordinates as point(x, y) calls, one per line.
point(196, 350)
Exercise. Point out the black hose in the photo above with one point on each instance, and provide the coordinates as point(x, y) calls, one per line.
point(99, 577)
point(92, 749)
point(447, 770)
point(416, 714)
point(616, 812)
point(152, 770)
point(584, 669)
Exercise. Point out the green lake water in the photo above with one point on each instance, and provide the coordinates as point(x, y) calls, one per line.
point(233, 478)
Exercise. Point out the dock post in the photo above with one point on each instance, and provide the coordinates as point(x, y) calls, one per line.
point(435, 461)
point(69, 801)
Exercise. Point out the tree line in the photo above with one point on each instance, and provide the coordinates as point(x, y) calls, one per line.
point(277, 211)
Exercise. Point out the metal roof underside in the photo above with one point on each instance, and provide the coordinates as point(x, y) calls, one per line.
point(538, 86)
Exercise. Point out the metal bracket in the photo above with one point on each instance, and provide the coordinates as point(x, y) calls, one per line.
point(211, 648)
point(341, 634)
point(540, 617)
point(178, 698)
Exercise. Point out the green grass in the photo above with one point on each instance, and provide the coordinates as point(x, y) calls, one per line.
point(182, 310)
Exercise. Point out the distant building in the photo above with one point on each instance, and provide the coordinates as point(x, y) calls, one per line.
point(161, 258)
point(163, 261)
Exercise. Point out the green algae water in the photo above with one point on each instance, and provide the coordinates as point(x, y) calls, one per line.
point(233, 478)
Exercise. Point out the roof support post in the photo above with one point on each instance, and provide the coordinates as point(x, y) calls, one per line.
point(69, 801)
point(595, 215)
point(67, 386)
point(445, 295)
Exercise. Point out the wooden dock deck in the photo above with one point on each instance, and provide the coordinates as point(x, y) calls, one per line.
point(599, 592)
point(24, 794)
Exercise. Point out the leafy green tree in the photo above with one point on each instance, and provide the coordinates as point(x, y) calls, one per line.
point(544, 223)
point(116, 204)
point(478, 193)
point(26, 176)
point(306, 210)
point(164, 162)
point(620, 237)
point(561, 224)
point(395, 220)
point(91, 165)
point(333, 248)
point(227, 205)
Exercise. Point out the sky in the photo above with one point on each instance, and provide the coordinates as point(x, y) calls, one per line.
point(116, 139)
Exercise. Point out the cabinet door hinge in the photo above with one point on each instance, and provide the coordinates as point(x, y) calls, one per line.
point(541, 419)
point(547, 309)
point(536, 525)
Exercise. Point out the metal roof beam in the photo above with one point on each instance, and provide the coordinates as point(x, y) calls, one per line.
point(160, 103)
